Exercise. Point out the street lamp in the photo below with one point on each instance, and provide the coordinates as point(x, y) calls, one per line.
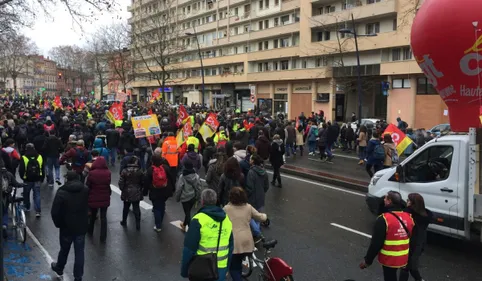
point(358, 67)
point(201, 60)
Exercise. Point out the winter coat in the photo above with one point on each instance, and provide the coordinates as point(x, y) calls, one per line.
point(240, 217)
point(112, 137)
point(277, 152)
point(322, 137)
point(370, 152)
point(160, 193)
point(38, 143)
point(349, 134)
point(257, 184)
point(194, 158)
point(70, 208)
point(241, 156)
point(72, 155)
point(22, 168)
point(362, 139)
point(389, 148)
point(131, 183)
point(299, 138)
point(263, 147)
point(281, 132)
point(52, 147)
point(332, 134)
point(103, 151)
point(243, 137)
point(212, 178)
point(98, 182)
point(127, 140)
point(225, 185)
point(208, 154)
point(290, 136)
point(418, 239)
point(188, 187)
point(312, 133)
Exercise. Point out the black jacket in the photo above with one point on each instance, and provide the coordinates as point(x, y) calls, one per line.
point(276, 155)
point(52, 147)
point(160, 193)
point(70, 208)
point(112, 137)
point(419, 232)
point(208, 154)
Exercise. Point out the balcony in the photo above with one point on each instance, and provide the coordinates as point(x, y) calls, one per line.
point(289, 5)
point(294, 74)
point(400, 67)
point(274, 54)
point(261, 34)
point(360, 13)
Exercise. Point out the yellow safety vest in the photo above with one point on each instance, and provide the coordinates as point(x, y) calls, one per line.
point(193, 140)
point(220, 136)
point(26, 160)
point(209, 237)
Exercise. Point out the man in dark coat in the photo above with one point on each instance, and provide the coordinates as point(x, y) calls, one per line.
point(112, 137)
point(70, 214)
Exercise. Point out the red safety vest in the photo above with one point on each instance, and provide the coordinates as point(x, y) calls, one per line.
point(394, 252)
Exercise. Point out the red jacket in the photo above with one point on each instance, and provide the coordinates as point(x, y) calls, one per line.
point(98, 182)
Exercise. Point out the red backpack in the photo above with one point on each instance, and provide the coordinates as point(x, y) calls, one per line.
point(159, 177)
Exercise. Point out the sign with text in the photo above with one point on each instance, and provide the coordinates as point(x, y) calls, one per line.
point(145, 126)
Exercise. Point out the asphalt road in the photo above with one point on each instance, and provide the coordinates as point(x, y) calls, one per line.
point(302, 215)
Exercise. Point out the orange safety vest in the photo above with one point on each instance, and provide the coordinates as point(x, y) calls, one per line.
point(394, 252)
point(169, 151)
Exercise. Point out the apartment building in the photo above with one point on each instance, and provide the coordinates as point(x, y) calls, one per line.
point(290, 54)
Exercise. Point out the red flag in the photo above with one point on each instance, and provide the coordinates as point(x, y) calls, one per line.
point(82, 105)
point(155, 95)
point(116, 111)
point(46, 104)
point(212, 121)
point(58, 102)
point(76, 103)
point(182, 115)
point(187, 130)
point(150, 111)
point(247, 125)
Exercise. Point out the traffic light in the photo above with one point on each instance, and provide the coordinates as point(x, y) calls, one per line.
point(60, 75)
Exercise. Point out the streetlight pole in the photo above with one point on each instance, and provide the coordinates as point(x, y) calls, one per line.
point(201, 60)
point(358, 65)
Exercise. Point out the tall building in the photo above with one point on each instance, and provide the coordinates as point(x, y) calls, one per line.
point(284, 56)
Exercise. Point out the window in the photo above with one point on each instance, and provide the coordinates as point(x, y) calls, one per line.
point(276, 2)
point(261, 4)
point(235, 30)
point(285, 20)
point(236, 10)
point(260, 67)
point(246, 49)
point(214, 71)
point(285, 42)
point(294, 64)
point(260, 25)
point(327, 35)
point(395, 24)
point(246, 28)
point(266, 4)
point(296, 17)
point(260, 46)
point(276, 21)
point(407, 53)
point(432, 165)
point(284, 65)
point(424, 87)
point(275, 43)
point(401, 83)
point(266, 66)
point(396, 54)
point(275, 65)
point(373, 1)
point(321, 62)
point(304, 64)
point(266, 24)
point(372, 28)
point(266, 45)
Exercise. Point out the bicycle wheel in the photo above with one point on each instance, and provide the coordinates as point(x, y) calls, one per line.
point(247, 266)
point(287, 278)
point(21, 227)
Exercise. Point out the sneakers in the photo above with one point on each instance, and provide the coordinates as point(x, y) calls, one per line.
point(37, 214)
point(157, 229)
point(54, 268)
point(311, 154)
point(183, 227)
point(57, 181)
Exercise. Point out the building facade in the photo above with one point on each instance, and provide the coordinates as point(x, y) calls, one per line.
point(287, 56)
point(71, 82)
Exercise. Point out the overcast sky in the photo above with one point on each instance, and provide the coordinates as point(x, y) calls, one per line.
point(47, 34)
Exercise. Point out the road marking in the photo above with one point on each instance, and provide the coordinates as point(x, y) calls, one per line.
point(351, 230)
point(144, 205)
point(46, 254)
point(322, 185)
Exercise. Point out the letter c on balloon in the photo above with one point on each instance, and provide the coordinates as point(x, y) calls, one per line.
point(465, 67)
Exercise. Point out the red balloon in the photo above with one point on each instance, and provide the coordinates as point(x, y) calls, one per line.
point(446, 41)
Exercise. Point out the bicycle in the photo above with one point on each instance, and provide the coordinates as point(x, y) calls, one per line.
point(19, 222)
point(272, 269)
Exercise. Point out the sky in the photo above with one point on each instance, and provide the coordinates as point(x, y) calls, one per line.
point(62, 31)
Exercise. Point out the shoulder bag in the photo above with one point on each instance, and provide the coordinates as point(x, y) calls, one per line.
point(403, 224)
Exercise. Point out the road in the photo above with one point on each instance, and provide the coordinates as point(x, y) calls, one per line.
point(322, 232)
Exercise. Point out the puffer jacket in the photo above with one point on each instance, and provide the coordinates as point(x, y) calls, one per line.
point(188, 187)
point(131, 183)
point(257, 184)
point(103, 151)
point(98, 183)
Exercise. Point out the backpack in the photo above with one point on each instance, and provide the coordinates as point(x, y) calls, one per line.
point(79, 159)
point(22, 133)
point(379, 152)
point(33, 169)
point(315, 131)
point(395, 157)
point(159, 177)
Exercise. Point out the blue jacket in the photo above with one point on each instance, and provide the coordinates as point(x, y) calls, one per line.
point(103, 151)
point(193, 236)
point(312, 135)
point(370, 152)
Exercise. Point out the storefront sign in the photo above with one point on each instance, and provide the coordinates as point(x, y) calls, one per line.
point(302, 88)
point(282, 90)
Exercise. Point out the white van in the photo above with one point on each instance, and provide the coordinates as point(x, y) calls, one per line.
point(446, 172)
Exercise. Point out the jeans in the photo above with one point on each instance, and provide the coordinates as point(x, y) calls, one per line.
point(52, 163)
point(255, 226)
point(159, 207)
point(328, 150)
point(236, 267)
point(389, 273)
point(301, 147)
point(187, 207)
point(361, 152)
point(135, 208)
point(103, 222)
point(312, 146)
point(142, 159)
point(290, 149)
point(411, 269)
point(35, 186)
point(377, 167)
point(113, 155)
point(79, 246)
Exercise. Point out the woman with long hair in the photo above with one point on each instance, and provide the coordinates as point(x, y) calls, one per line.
point(362, 144)
point(422, 218)
point(215, 170)
point(232, 176)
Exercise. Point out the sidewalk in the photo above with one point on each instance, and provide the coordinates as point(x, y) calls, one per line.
point(344, 171)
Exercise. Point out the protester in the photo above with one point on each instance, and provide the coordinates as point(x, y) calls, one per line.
point(131, 184)
point(362, 144)
point(375, 155)
point(231, 177)
point(188, 190)
point(215, 170)
point(257, 184)
point(193, 158)
point(78, 156)
point(276, 159)
point(52, 149)
point(8, 181)
point(263, 147)
point(32, 172)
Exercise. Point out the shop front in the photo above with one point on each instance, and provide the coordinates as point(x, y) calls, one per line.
point(301, 99)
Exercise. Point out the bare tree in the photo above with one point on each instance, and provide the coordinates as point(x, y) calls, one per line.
point(99, 62)
point(156, 45)
point(15, 57)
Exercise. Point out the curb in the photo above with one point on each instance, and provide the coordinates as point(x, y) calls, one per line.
point(324, 177)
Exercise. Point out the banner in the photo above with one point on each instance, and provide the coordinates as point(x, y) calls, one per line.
point(182, 115)
point(115, 112)
point(57, 102)
point(187, 130)
point(76, 103)
point(399, 138)
point(155, 95)
point(145, 126)
point(209, 126)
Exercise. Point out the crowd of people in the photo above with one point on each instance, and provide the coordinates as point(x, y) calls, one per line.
point(38, 139)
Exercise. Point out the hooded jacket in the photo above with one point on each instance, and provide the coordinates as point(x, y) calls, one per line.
point(33, 155)
point(112, 137)
point(70, 208)
point(263, 147)
point(257, 184)
point(208, 154)
point(277, 152)
point(194, 158)
point(103, 151)
point(370, 152)
point(131, 183)
point(98, 183)
point(52, 147)
point(193, 237)
point(188, 187)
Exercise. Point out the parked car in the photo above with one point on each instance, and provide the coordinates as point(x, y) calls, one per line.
point(367, 122)
point(437, 130)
